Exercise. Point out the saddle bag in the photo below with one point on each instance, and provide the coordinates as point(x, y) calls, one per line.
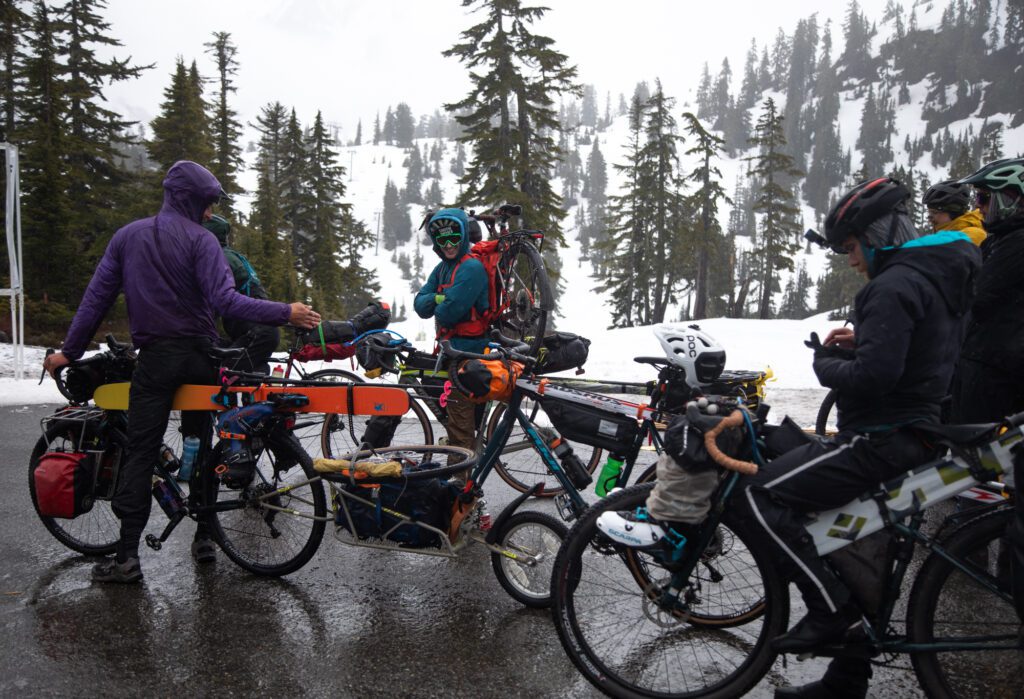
point(64, 484)
point(481, 380)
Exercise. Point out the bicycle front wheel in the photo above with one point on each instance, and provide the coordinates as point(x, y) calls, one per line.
point(96, 532)
point(530, 541)
point(526, 295)
point(824, 412)
point(274, 525)
point(521, 466)
point(627, 642)
point(949, 606)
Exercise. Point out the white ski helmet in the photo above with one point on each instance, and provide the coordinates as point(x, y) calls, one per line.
point(694, 351)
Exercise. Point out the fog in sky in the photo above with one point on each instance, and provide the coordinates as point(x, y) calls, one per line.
point(353, 58)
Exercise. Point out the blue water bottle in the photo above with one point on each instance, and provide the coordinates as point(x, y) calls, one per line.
point(189, 450)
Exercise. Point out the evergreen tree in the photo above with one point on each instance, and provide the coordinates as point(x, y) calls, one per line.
point(395, 223)
point(270, 254)
point(181, 131)
point(592, 231)
point(412, 193)
point(875, 133)
point(837, 288)
point(623, 252)
point(14, 26)
point(795, 299)
point(52, 263)
point(703, 98)
point(720, 96)
point(389, 132)
point(296, 203)
point(227, 154)
point(458, 166)
point(376, 130)
point(434, 196)
point(826, 167)
point(509, 116)
point(706, 231)
point(588, 107)
point(359, 134)
point(358, 284)
point(749, 89)
point(776, 243)
point(405, 127)
point(326, 188)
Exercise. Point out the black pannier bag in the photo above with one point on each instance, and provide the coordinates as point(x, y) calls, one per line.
point(428, 500)
point(586, 425)
point(561, 351)
point(375, 316)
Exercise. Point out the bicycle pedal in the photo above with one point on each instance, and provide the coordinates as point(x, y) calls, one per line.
point(153, 542)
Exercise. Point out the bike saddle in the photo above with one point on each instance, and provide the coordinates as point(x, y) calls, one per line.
point(221, 353)
point(967, 435)
point(653, 361)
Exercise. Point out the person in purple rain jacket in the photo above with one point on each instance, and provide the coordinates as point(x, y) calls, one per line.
point(175, 281)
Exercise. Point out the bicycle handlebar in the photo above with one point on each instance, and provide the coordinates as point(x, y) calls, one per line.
point(507, 348)
point(734, 419)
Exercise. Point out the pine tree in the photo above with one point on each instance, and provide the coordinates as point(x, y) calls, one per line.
point(795, 299)
point(396, 228)
point(588, 107)
point(14, 27)
point(703, 98)
point(270, 254)
point(720, 96)
point(389, 127)
point(776, 243)
point(706, 230)
point(412, 193)
point(52, 261)
point(326, 188)
point(837, 288)
point(749, 89)
point(434, 196)
point(227, 154)
point(509, 116)
point(358, 284)
point(623, 266)
point(826, 167)
point(181, 131)
point(376, 130)
point(359, 134)
point(405, 127)
point(296, 203)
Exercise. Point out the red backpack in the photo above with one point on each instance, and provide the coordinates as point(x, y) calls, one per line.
point(489, 255)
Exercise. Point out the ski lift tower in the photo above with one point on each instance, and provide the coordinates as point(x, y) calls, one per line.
point(12, 228)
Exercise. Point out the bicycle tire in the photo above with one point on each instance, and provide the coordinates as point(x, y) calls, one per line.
point(538, 535)
point(527, 292)
point(520, 464)
point(942, 590)
point(824, 412)
point(251, 534)
point(620, 639)
point(96, 532)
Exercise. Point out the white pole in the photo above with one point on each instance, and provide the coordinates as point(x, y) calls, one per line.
point(12, 230)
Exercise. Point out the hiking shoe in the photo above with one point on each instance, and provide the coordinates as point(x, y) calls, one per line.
point(110, 571)
point(204, 551)
point(639, 530)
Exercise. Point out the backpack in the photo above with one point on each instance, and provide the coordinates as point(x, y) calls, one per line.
point(246, 280)
point(487, 252)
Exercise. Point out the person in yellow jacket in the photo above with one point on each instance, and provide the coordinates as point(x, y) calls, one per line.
point(949, 209)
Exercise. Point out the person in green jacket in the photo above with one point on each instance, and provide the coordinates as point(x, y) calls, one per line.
point(259, 340)
point(949, 209)
point(456, 295)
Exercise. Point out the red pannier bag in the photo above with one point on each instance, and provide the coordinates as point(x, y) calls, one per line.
point(325, 352)
point(63, 482)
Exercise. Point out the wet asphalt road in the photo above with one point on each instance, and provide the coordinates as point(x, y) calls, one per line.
point(353, 622)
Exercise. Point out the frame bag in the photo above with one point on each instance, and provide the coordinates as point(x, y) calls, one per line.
point(586, 425)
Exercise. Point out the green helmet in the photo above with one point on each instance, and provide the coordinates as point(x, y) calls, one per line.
point(219, 226)
point(1005, 180)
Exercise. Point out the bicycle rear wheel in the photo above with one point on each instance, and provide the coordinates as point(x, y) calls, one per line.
point(946, 603)
point(336, 436)
point(824, 412)
point(521, 466)
point(274, 525)
point(309, 427)
point(526, 291)
point(627, 644)
point(96, 532)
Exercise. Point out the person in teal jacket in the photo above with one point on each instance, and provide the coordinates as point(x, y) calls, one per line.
point(456, 296)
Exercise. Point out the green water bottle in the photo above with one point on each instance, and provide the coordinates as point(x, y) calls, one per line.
point(609, 473)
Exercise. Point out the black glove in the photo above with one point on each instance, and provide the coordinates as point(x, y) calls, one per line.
point(374, 317)
point(821, 350)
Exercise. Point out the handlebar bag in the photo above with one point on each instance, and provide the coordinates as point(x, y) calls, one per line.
point(63, 484)
point(561, 351)
point(588, 425)
point(481, 380)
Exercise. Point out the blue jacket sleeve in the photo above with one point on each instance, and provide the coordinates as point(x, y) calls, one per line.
point(465, 292)
point(218, 285)
point(99, 297)
point(886, 319)
point(424, 303)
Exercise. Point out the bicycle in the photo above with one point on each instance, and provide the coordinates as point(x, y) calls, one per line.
point(244, 518)
point(635, 626)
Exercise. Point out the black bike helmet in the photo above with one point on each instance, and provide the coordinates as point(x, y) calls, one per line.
point(950, 196)
point(860, 207)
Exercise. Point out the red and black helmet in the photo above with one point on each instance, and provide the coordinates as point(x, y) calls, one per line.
point(861, 206)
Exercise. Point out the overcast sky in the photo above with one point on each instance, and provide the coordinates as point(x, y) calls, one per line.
point(351, 58)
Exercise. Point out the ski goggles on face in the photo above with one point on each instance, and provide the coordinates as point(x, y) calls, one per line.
point(448, 240)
